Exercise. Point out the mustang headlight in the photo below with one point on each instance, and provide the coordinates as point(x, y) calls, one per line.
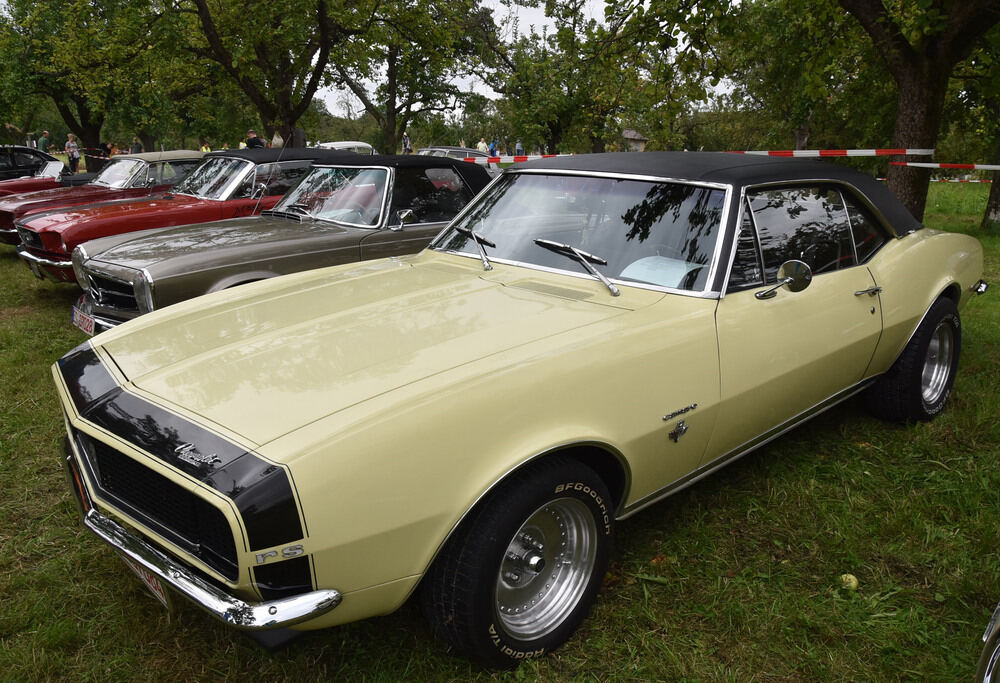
point(79, 256)
point(142, 284)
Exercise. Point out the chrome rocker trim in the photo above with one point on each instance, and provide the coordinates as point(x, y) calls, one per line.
point(247, 616)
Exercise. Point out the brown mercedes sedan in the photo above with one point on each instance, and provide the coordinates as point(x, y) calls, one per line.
point(364, 208)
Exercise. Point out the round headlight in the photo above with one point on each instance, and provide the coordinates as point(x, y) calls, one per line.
point(79, 256)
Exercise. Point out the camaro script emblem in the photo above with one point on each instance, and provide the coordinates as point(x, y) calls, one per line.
point(188, 453)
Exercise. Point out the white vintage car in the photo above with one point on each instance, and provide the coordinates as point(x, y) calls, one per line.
point(468, 424)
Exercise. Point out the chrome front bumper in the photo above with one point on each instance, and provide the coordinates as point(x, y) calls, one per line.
point(248, 616)
point(36, 263)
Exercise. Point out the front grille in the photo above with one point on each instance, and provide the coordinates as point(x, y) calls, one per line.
point(30, 238)
point(185, 519)
point(109, 293)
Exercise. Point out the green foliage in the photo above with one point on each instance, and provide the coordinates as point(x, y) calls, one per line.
point(405, 66)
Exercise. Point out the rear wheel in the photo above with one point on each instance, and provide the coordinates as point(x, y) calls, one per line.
point(919, 383)
point(521, 573)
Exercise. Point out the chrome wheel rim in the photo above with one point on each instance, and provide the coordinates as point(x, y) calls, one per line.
point(546, 568)
point(937, 364)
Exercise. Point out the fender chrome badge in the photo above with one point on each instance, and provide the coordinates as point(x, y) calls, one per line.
point(188, 453)
point(687, 409)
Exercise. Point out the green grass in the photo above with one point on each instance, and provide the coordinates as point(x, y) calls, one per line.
point(736, 578)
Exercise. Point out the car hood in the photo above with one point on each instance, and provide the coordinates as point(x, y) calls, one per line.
point(52, 194)
point(59, 220)
point(264, 359)
point(209, 238)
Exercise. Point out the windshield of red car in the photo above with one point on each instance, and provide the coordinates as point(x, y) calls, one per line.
point(214, 178)
point(118, 174)
point(648, 232)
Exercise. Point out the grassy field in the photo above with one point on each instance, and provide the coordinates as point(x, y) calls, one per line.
point(736, 578)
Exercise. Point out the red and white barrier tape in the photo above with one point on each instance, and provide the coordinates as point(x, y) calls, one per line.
point(816, 153)
point(512, 159)
point(957, 180)
point(971, 167)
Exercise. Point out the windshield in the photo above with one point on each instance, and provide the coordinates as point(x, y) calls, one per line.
point(353, 196)
point(119, 172)
point(51, 169)
point(647, 232)
point(214, 178)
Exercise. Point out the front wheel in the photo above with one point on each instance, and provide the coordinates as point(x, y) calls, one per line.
point(919, 383)
point(521, 573)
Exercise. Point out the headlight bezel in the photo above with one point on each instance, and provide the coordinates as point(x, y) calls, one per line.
point(142, 285)
point(79, 257)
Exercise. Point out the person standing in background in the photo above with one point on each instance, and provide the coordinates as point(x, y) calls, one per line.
point(482, 146)
point(254, 142)
point(407, 145)
point(43, 142)
point(72, 150)
point(136, 147)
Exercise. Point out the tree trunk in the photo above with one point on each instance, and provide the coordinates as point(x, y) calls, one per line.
point(918, 119)
point(991, 219)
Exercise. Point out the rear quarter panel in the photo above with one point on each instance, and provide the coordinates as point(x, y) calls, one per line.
point(913, 272)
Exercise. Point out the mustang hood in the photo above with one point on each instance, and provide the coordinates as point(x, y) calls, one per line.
point(59, 220)
point(209, 238)
point(264, 359)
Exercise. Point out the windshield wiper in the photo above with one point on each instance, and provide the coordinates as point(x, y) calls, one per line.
point(301, 208)
point(583, 258)
point(480, 242)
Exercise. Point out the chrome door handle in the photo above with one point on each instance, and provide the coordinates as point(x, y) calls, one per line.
point(871, 291)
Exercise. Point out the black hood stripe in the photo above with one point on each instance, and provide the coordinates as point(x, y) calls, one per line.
point(262, 491)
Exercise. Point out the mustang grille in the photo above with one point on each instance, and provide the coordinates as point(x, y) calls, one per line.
point(182, 517)
point(30, 238)
point(109, 293)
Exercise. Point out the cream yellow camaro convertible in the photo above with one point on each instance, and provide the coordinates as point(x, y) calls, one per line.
point(468, 424)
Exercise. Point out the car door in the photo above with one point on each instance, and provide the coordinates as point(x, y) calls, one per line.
point(785, 355)
point(434, 195)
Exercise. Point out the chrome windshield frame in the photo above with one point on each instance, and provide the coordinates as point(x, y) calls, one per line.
point(386, 199)
point(226, 194)
point(725, 225)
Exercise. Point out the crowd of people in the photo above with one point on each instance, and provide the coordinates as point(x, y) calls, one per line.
point(105, 150)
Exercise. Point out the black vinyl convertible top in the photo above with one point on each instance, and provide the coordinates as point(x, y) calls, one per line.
point(739, 170)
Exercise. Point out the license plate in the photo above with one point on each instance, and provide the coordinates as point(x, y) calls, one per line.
point(152, 582)
point(83, 321)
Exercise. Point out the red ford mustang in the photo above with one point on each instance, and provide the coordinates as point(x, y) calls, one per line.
point(225, 185)
point(125, 177)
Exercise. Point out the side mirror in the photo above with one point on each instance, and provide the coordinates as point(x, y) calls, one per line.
point(258, 190)
point(404, 216)
point(796, 275)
